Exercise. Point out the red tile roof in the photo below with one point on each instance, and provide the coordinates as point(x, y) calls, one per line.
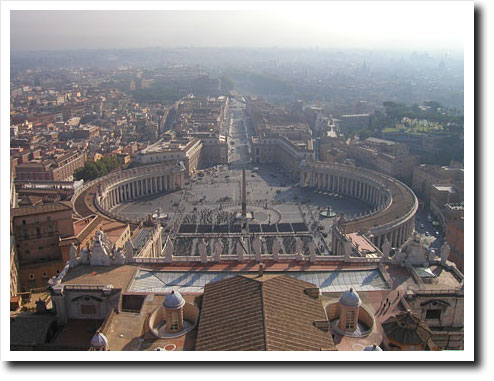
point(271, 312)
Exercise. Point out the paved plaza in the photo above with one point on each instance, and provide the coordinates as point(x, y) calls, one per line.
point(271, 199)
point(212, 196)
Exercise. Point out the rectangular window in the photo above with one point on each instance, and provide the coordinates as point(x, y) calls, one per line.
point(88, 309)
point(433, 314)
point(350, 317)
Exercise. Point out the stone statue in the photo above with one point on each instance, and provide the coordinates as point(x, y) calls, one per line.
point(129, 251)
point(203, 251)
point(347, 248)
point(218, 250)
point(169, 251)
point(240, 251)
point(72, 252)
point(276, 248)
point(100, 255)
point(256, 246)
point(445, 249)
point(386, 246)
point(298, 249)
point(312, 252)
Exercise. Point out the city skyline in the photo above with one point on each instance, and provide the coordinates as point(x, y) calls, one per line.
point(372, 25)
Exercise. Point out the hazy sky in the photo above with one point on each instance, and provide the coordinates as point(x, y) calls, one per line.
point(414, 25)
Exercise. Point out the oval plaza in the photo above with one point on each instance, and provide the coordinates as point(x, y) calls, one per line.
point(252, 236)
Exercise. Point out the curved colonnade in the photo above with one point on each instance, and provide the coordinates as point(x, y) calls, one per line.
point(394, 204)
point(132, 184)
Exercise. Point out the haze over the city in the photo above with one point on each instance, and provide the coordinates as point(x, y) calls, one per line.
point(386, 25)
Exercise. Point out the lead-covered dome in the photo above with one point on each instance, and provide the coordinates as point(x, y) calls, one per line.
point(173, 301)
point(373, 348)
point(350, 298)
point(99, 340)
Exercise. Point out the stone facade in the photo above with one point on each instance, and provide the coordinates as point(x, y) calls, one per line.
point(425, 176)
point(59, 169)
point(281, 150)
point(38, 231)
point(185, 150)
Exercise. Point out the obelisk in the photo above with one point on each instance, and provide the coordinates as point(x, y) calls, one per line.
point(244, 195)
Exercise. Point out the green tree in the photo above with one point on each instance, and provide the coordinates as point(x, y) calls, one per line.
point(95, 169)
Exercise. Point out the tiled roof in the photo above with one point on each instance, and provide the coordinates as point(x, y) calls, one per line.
point(252, 313)
point(52, 207)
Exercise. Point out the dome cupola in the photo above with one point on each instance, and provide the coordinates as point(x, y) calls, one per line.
point(350, 299)
point(99, 342)
point(373, 347)
point(173, 301)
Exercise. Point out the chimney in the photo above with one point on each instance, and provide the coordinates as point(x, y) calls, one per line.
point(261, 269)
